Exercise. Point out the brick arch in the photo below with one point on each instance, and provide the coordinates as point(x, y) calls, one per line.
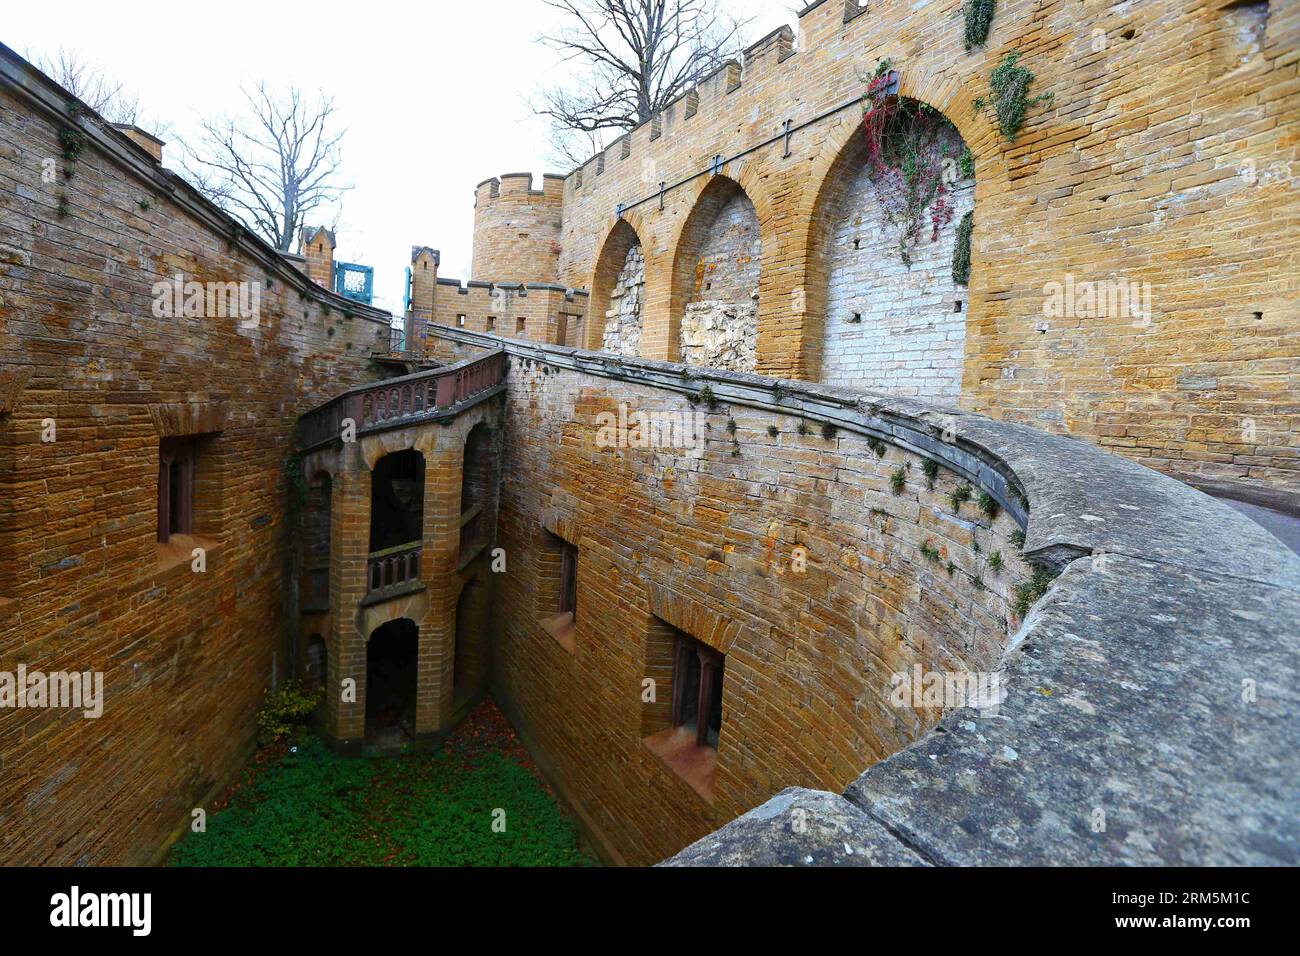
point(840, 147)
point(709, 200)
point(620, 239)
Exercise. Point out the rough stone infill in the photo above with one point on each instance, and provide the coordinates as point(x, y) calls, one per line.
point(623, 319)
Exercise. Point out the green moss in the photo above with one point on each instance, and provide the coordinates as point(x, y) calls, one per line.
point(898, 480)
point(1028, 592)
point(988, 505)
point(773, 431)
point(877, 446)
point(959, 496)
point(930, 468)
point(828, 430)
point(995, 562)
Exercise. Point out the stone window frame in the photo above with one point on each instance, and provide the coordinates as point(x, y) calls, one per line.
point(673, 614)
point(558, 560)
point(189, 433)
point(177, 454)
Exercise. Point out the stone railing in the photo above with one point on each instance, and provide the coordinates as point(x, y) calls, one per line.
point(1151, 711)
point(409, 399)
point(392, 569)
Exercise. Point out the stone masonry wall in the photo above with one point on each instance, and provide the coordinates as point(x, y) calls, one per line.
point(720, 322)
point(186, 656)
point(515, 225)
point(710, 540)
point(623, 318)
point(890, 326)
point(1167, 157)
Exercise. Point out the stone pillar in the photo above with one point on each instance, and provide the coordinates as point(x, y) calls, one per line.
point(349, 546)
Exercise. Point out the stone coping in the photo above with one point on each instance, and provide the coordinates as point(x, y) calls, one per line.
point(1152, 706)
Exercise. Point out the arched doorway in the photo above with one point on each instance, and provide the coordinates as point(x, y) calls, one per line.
point(392, 654)
point(617, 291)
point(887, 221)
point(397, 500)
point(470, 668)
point(715, 279)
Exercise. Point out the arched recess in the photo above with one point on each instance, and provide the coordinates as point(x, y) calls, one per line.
point(881, 264)
point(477, 504)
point(713, 304)
point(315, 663)
point(617, 293)
point(956, 102)
point(470, 654)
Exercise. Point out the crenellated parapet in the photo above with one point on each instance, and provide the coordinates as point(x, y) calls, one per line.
point(517, 227)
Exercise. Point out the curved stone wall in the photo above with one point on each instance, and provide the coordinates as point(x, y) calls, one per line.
point(1149, 710)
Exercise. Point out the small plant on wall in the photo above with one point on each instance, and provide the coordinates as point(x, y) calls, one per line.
point(979, 19)
point(1008, 95)
point(907, 157)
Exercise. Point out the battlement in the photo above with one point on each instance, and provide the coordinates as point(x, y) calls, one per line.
point(520, 185)
point(517, 227)
point(821, 24)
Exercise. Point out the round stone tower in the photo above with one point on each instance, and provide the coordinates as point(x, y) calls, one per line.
point(517, 229)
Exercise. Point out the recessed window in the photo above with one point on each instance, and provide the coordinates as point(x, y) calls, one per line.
point(682, 726)
point(491, 323)
point(176, 458)
point(697, 690)
point(557, 592)
point(519, 324)
point(569, 580)
point(460, 321)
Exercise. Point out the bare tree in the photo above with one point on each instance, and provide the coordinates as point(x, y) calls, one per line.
point(273, 168)
point(635, 57)
point(90, 83)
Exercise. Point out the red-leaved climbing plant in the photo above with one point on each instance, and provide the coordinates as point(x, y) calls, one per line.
point(906, 154)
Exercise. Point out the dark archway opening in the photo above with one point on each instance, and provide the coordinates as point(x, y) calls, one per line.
point(397, 500)
point(391, 658)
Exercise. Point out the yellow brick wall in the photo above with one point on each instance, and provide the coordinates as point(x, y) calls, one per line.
point(1169, 156)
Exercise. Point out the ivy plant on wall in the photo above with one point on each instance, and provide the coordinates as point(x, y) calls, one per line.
point(961, 250)
point(979, 19)
point(1008, 95)
point(907, 158)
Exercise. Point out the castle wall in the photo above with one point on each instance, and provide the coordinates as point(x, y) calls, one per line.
point(792, 554)
point(1166, 162)
point(538, 312)
point(84, 585)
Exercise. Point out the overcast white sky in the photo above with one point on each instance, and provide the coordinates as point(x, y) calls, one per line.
point(433, 94)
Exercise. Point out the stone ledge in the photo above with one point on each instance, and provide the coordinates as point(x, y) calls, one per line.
point(800, 827)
